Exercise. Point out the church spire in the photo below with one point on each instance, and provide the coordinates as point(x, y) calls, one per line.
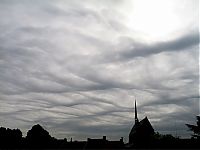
point(136, 118)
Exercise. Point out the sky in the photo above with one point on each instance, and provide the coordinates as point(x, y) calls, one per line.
point(76, 67)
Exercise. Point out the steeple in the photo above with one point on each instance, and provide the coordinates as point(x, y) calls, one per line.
point(142, 130)
point(136, 118)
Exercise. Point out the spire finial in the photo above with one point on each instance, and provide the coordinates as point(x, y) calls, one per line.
point(136, 118)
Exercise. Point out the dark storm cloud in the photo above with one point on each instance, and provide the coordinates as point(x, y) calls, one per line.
point(75, 67)
point(144, 50)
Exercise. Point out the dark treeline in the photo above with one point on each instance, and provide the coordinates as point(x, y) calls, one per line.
point(38, 138)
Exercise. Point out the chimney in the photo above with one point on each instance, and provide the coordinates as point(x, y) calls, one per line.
point(104, 138)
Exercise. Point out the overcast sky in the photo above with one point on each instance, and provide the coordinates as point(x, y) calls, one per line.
point(76, 67)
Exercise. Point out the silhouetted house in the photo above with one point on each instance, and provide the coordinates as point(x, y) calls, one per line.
point(142, 131)
point(104, 143)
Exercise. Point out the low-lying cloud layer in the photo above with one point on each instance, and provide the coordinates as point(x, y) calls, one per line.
point(76, 68)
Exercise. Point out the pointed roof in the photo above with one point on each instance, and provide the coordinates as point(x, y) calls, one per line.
point(143, 123)
point(141, 129)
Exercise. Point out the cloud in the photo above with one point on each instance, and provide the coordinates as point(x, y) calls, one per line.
point(136, 49)
point(76, 67)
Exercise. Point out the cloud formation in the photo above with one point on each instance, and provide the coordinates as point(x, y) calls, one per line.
point(76, 67)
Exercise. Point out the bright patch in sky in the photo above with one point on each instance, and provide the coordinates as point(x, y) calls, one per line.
point(160, 19)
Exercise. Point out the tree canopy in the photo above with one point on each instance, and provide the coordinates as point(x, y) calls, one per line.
point(195, 128)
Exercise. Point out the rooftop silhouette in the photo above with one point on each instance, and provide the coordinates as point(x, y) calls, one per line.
point(141, 131)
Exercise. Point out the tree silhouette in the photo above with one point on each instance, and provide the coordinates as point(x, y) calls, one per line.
point(38, 136)
point(195, 128)
point(10, 137)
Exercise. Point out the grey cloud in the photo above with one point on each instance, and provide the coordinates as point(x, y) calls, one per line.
point(67, 66)
point(144, 50)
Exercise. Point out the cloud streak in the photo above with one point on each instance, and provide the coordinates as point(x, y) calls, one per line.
point(137, 49)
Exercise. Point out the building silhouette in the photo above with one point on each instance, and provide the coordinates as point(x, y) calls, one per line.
point(104, 143)
point(141, 132)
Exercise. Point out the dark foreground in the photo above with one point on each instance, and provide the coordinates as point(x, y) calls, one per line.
point(38, 138)
point(100, 144)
